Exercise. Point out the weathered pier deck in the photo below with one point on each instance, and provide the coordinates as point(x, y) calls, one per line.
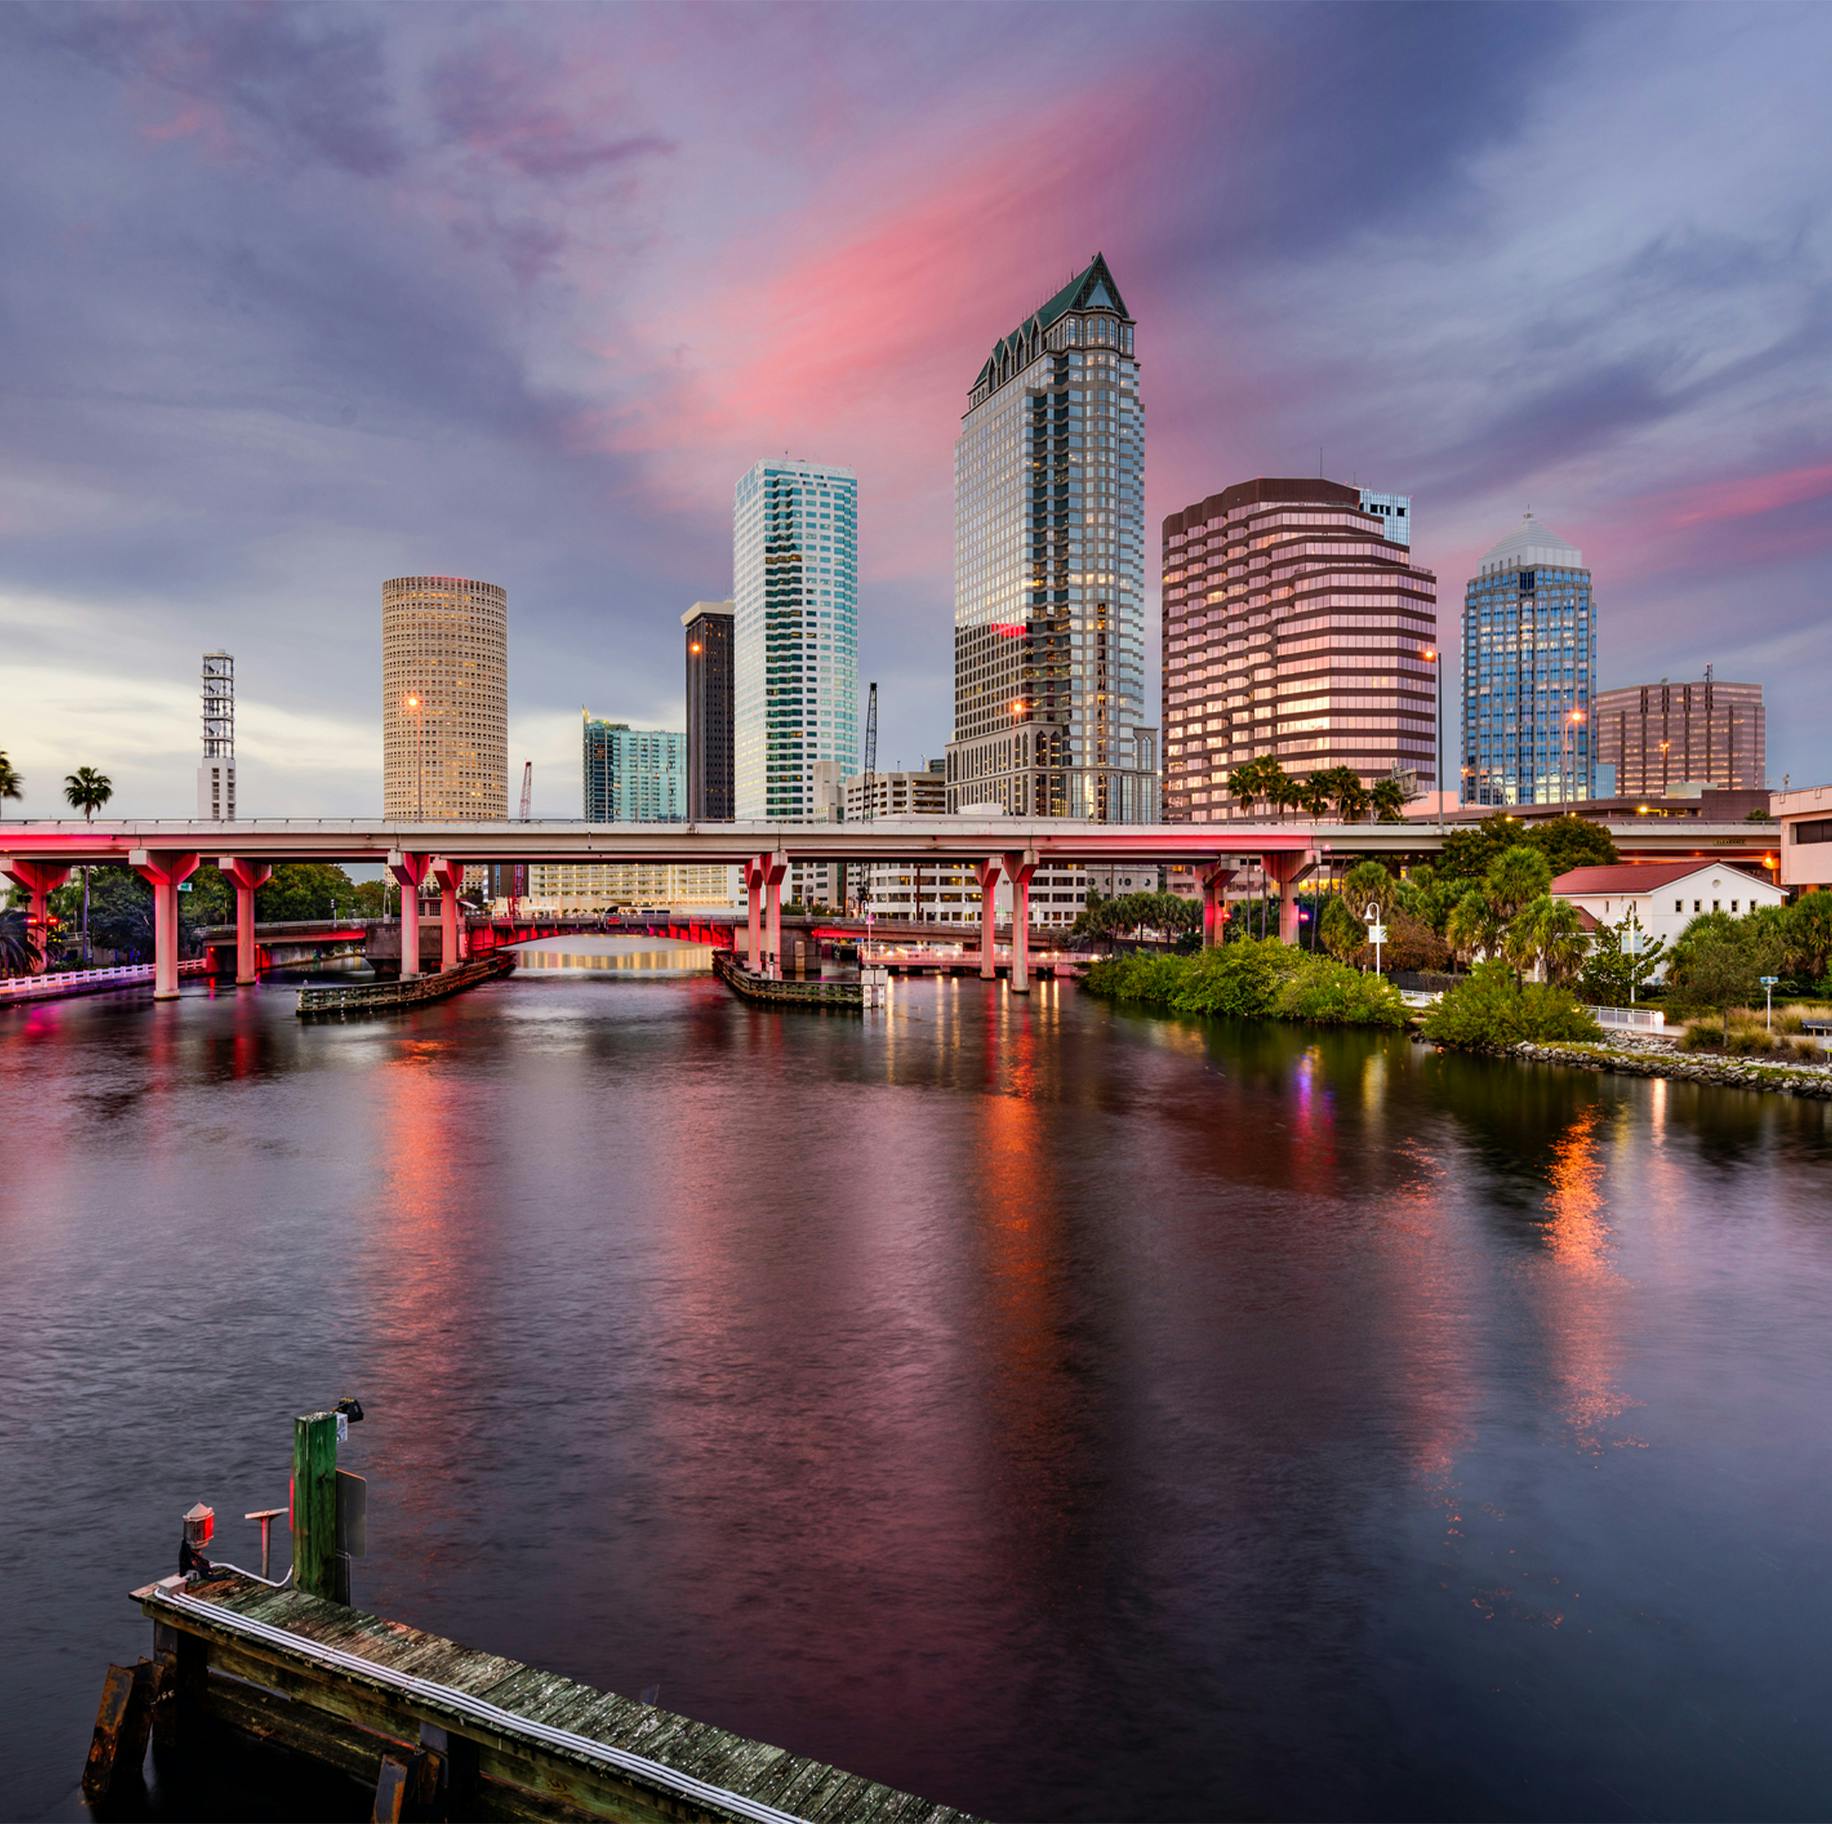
point(377, 1700)
point(787, 991)
point(324, 1001)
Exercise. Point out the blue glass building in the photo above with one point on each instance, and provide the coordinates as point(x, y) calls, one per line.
point(1529, 658)
point(634, 775)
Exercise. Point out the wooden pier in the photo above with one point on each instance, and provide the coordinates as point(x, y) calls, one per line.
point(433, 1728)
point(327, 1002)
point(787, 991)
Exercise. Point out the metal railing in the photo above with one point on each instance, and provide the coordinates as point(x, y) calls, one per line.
point(62, 981)
point(1632, 1019)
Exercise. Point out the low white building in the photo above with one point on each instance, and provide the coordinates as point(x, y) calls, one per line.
point(1666, 896)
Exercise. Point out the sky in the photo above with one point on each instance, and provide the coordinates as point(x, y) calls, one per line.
point(296, 298)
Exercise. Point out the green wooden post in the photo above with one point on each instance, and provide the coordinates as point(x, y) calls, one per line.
point(315, 1503)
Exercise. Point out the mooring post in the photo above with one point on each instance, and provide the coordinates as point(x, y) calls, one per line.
point(315, 1503)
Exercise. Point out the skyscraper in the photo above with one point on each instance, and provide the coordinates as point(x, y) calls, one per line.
point(633, 775)
point(1659, 737)
point(216, 776)
point(445, 699)
point(1296, 627)
point(708, 639)
point(1049, 568)
point(795, 634)
point(1529, 655)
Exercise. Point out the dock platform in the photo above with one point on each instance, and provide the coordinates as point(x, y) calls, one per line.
point(787, 991)
point(338, 1002)
point(366, 1696)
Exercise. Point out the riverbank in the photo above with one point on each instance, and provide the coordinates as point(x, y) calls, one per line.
point(1647, 1059)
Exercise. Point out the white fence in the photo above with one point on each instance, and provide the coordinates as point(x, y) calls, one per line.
point(1632, 1019)
point(52, 984)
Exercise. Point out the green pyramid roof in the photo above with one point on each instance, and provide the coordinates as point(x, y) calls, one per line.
point(1091, 289)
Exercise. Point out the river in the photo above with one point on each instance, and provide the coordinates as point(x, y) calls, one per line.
point(1056, 1411)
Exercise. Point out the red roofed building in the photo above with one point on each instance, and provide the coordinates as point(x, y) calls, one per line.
point(1665, 897)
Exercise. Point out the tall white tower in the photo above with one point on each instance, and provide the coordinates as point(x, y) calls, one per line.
point(216, 777)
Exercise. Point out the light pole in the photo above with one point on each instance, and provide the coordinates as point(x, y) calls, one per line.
point(1665, 746)
point(419, 718)
point(1571, 754)
point(1435, 659)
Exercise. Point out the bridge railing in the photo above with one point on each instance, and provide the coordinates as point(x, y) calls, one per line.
point(64, 981)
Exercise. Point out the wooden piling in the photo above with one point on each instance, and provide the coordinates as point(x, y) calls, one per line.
point(315, 1504)
point(117, 1750)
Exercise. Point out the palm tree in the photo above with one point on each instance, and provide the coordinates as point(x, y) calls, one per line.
point(1517, 877)
point(1247, 782)
point(87, 791)
point(11, 784)
point(1388, 799)
point(1548, 933)
point(1473, 929)
point(19, 951)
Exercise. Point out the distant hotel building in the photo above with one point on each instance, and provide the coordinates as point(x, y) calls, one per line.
point(1049, 569)
point(1296, 625)
point(1529, 658)
point(445, 699)
point(216, 776)
point(1662, 737)
point(708, 639)
point(795, 634)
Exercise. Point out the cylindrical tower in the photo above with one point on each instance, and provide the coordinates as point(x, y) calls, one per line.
point(445, 699)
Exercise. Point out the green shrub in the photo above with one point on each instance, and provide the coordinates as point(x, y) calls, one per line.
point(1492, 1010)
point(1329, 993)
point(1745, 1036)
point(1251, 979)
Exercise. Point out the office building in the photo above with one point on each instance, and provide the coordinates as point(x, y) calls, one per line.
point(1529, 658)
point(707, 635)
point(1049, 569)
point(1296, 626)
point(795, 634)
point(601, 886)
point(216, 776)
point(1665, 738)
point(633, 775)
point(445, 699)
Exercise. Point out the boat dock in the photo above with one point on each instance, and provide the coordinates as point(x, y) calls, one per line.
point(438, 1729)
point(788, 991)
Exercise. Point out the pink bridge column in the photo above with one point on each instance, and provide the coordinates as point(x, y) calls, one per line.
point(987, 874)
point(774, 868)
point(247, 877)
point(164, 869)
point(1018, 870)
point(1213, 880)
point(450, 876)
point(1286, 869)
point(753, 889)
point(39, 880)
point(409, 870)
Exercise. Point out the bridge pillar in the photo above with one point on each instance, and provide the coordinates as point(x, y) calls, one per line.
point(409, 870)
point(450, 876)
point(774, 868)
point(39, 880)
point(1286, 869)
point(753, 889)
point(165, 870)
point(246, 877)
point(987, 874)
point(1213, 879)
point(1018, 870)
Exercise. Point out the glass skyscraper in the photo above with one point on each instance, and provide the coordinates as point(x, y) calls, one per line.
point(1049, 569)
point(708, 637)
point(795, 634)
point(634, 775)
point(1529, 657)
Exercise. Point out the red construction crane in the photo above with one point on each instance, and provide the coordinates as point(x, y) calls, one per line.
point(518, 878)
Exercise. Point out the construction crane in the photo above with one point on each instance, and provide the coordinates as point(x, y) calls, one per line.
point(871, 749)
point(518, 878)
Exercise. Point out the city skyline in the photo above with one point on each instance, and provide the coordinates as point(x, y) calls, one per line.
point(608, 341)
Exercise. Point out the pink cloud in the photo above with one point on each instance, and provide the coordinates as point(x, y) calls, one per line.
point(1749, 496)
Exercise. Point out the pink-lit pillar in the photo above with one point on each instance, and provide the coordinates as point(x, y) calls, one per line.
point(450, 876)
point(409, 870)
point(247, 877)
point(986, 875)
point(1018, 870)
point(1214, 882)
point(39, 880)
point(164, 869)
point(1285, 870)
point(774, 868)
point(753, 887)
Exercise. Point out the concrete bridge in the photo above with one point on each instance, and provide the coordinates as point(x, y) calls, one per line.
point(38, 856)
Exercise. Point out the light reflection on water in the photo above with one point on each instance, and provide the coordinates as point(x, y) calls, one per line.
point(1056, 1411)
point(616, 955)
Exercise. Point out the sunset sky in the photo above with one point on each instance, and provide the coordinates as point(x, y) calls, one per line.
point(297, 298)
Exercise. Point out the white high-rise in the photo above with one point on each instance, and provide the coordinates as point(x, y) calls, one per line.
point(795, 634)
point(216, 776)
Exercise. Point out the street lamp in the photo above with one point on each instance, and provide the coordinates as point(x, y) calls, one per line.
point(413, 703)
point(1434, 659)
point(1571, 752)
point(1665, 747)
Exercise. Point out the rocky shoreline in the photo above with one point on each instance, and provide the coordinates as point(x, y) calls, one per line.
point(1654, 1058)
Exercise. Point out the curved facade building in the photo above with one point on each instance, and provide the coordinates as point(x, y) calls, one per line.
point(445, 699)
